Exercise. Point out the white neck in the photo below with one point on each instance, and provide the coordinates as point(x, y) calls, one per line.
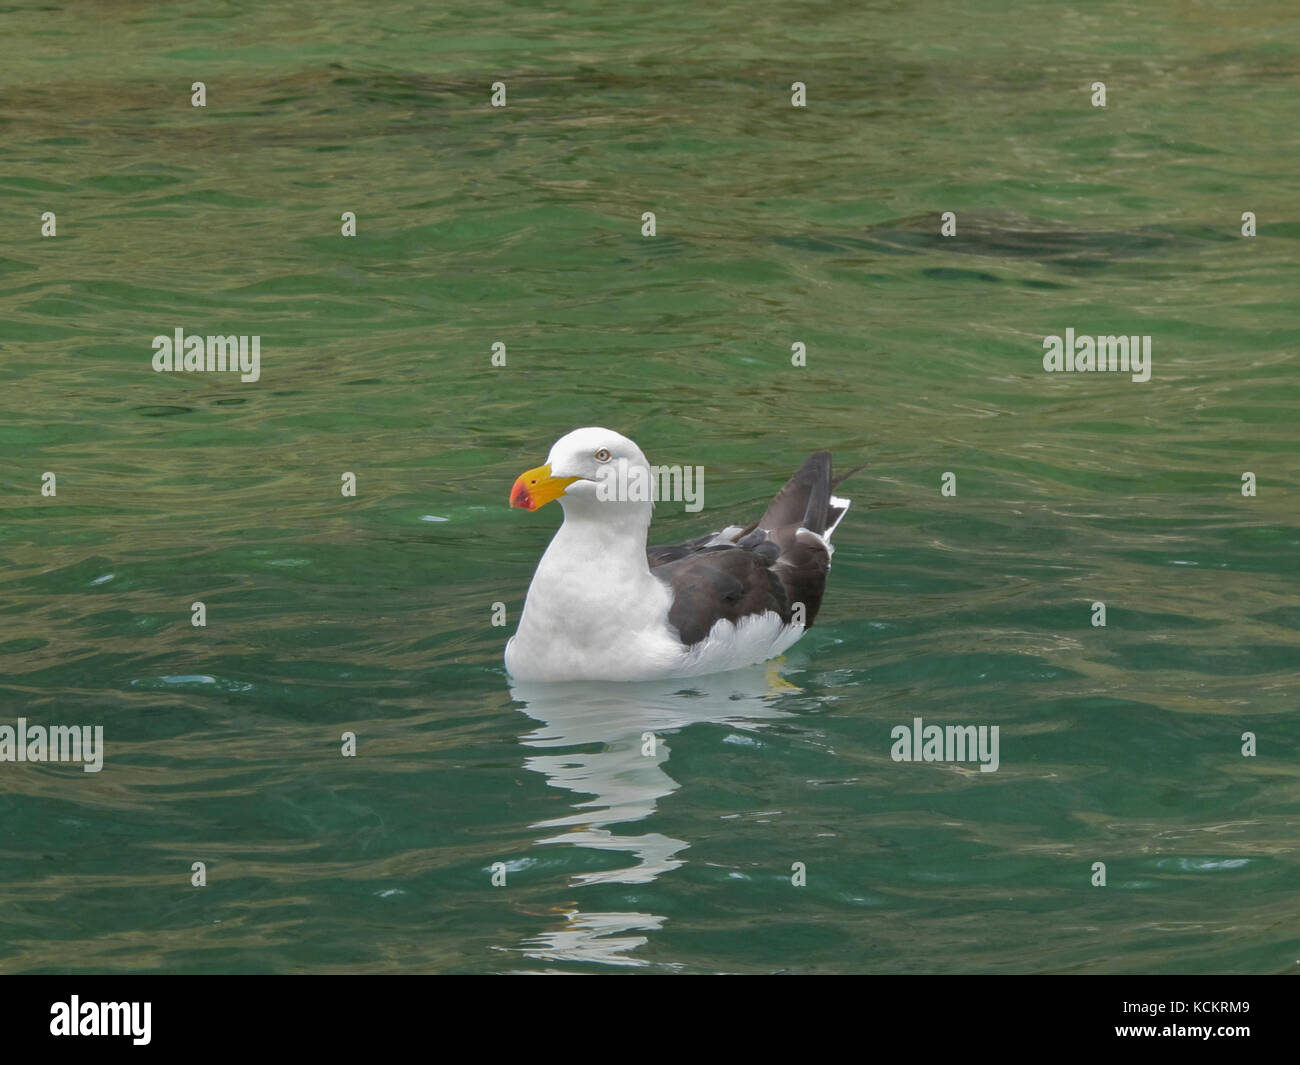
point(607, 538)
point(593, 590)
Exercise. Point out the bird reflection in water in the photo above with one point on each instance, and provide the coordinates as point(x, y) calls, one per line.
point(633, 725)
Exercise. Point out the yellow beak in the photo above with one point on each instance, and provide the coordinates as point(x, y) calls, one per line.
point(535, 488)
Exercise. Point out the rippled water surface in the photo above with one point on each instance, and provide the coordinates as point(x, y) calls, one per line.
point(775, 225)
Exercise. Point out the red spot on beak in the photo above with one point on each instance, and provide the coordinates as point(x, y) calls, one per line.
point(536, 487)
point(521, 497)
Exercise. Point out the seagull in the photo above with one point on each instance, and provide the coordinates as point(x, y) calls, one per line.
point(603, 606)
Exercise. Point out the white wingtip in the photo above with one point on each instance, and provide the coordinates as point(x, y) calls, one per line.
point(843, 507)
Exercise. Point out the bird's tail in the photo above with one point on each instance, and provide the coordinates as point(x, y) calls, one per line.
point(838, 507)
point(807, 500)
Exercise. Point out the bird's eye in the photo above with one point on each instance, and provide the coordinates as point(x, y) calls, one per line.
point(602, 455)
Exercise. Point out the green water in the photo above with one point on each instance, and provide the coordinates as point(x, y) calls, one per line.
point(373, 615)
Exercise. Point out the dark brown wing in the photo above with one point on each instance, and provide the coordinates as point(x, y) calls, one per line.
point(778, 562)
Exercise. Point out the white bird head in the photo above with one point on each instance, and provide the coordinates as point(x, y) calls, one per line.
point(588, 469)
